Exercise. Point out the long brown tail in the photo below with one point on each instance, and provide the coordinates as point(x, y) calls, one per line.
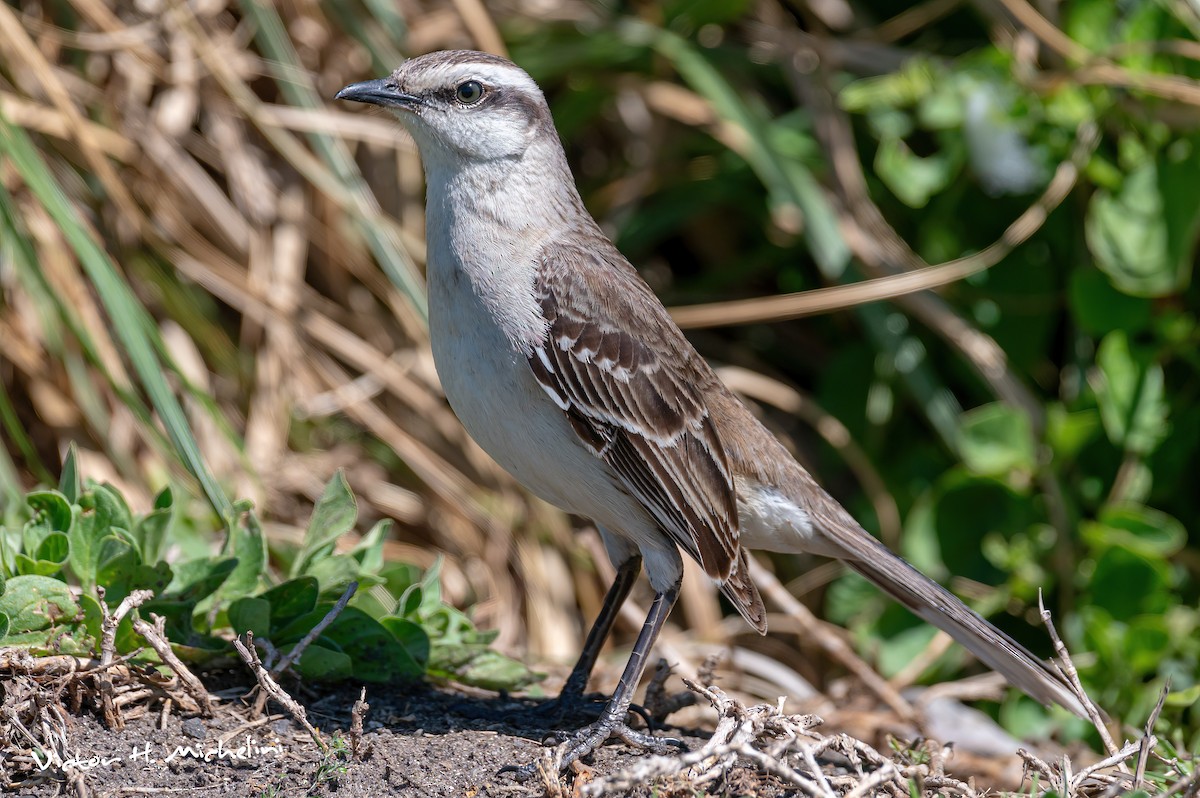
point(933, 603)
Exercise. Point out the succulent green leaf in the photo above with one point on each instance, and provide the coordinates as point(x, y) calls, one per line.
point(250, 614)
point(1130, 389)
point(997, 439)
point(290, 600)
point(333, 516)
point(33, 602)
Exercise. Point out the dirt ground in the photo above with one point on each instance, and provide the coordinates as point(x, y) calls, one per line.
point(418, 741)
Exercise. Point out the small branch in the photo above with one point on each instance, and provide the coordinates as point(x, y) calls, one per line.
point(155, 636)
point(272, 688)
point(358, 714)
point(316, 631)
point(108, 649)
point(1072, 675)
point(1148, 739)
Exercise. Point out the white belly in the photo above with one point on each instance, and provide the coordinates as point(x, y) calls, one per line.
point(492, 390)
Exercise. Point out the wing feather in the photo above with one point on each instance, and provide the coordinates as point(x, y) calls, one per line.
point(631, 392)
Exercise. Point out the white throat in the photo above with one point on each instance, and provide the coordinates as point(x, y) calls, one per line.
point(486, 223)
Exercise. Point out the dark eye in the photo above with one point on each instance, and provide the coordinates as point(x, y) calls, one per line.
point(470, 92)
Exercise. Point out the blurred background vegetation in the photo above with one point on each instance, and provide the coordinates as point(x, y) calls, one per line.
point(211, 276)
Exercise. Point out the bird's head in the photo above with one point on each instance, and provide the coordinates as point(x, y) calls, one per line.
point(461, 105)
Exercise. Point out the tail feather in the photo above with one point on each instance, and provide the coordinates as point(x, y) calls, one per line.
point(933, 603)
point(741, 591)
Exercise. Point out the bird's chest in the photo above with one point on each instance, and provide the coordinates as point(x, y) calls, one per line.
point(488, 381)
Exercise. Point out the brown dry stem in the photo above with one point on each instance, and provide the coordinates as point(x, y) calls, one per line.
point(156, 637)
point(269, 686)
point(108, 650)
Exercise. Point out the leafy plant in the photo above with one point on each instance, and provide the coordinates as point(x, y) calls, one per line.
point(70, 540)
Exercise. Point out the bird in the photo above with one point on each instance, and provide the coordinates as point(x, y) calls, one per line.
point(562, 363)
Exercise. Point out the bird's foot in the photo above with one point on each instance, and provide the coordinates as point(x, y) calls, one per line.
point(591, 737)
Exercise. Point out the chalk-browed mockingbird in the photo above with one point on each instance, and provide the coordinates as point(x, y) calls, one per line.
point(565, 367)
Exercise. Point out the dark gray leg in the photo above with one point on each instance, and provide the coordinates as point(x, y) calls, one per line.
point(576, 684)
point(612, 720)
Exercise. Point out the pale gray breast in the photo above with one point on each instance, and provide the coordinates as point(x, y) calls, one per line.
point(493, 392)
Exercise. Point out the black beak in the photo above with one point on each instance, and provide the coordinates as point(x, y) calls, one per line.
point(378, 92)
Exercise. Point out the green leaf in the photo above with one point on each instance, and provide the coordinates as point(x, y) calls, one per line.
point(53, 508)
point(290, 600)
point(1144, 530)
point(151, 533)
point(910, 177)
point(967, 511)
point(70, 484)
point(319, 662)
point(479, 666)
point(1126, 584)
point(33, 602)
point(249, 547)
point(1092, 23)
point(334, 572)
point(30, 565)
point(414, 639)
point(1144, 236)
point(1147, 644)
point(93, 618)
point(201, 648)
point(899, 89)
point(298, 627)
point(250, 614)
point(195, 580)
point(100, 512)
point(125, 572)
point(1129, 387)
point(165, 499)
point(423, 599)
point(376, 654)
point(996, 439)
point(369, 551)
point(48, 558)
point(333, 516)
point(1067, 433)
point(1099, 308)
point(1184, 698)
point(3, 625)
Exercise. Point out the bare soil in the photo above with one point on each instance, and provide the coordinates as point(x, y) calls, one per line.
point(419, 741)
point(426, 741)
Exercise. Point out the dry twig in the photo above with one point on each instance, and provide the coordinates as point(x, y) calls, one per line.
point(271, 687)
point(108, 648)
point(156, 637)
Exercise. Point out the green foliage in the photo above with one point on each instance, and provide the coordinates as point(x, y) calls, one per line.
point(57, 550)
point(1073, 474)
point(1061, 461)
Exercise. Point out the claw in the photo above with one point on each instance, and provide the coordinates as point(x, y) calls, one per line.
point(591, 737)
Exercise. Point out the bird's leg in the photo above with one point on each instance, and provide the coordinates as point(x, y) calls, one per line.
point(612, 720)
point(576, 684)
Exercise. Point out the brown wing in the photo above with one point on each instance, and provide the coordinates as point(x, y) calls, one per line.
point(633, 392)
